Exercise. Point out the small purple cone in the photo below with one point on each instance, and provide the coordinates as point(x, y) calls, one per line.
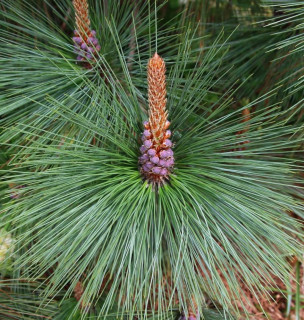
point(170, 162)
point(164, 154)
point(162, 163)
point(148, 144)
point(157, 170)
point(163, 172)
point(147, 133)
point(149, 165)
point(166, 164)
point(168, 143)
point(145, 168)
point(95, 42)
point(145, 157)
point(151, 152)
point(83, 46)
point(191, 317)
point(170, 152)
point(142, 149)
point(155, 160)
point(78, 40)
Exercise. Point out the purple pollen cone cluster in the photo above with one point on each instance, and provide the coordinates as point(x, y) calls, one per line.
point(157, 160)
point(86, 48)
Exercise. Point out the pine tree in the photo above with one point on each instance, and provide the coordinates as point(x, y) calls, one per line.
point(138, 180)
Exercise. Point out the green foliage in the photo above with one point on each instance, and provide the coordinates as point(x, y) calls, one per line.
point(20, 300)
point(42, 54)
point(265, 45)
point(84, 213)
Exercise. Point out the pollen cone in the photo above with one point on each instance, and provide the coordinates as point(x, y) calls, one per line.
point(156, 161)
point(86, 43)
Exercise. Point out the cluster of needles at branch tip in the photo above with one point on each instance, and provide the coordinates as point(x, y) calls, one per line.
point(86, 44)
point(156, 160)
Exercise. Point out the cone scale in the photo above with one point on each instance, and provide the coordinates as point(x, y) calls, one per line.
point(85, 41)
point(157, 157)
